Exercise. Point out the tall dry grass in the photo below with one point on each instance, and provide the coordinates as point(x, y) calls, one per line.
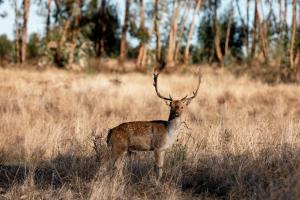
point(241, 140)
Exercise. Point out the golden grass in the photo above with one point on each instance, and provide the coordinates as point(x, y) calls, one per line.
point(242, 139)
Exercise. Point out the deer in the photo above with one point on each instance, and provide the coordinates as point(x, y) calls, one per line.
point(156, 135)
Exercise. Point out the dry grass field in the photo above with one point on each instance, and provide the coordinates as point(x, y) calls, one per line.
point(241, 141)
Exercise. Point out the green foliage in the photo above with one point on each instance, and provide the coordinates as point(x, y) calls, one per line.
point(34, 45)
point(100, 25)
point(206, 40)
point(297, 39)
point(5, 47)
point(141, 34)
point(132, 52)
point(235, 39)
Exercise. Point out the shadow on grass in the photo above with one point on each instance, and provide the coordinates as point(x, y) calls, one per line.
point(12, 174)
point(272, 172)
point(55, 173)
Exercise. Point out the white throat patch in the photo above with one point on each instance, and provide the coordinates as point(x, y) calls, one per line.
point(173, 131)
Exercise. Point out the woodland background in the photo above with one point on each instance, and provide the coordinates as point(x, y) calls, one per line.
point(260, 38)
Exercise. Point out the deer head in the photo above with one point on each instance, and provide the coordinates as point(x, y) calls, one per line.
point(176, 106)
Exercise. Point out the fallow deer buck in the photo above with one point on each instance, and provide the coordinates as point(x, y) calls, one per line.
point(157, 135)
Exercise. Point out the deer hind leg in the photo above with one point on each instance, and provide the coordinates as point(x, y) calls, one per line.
point(159, 162)
point(119, 147)
point(116, 161)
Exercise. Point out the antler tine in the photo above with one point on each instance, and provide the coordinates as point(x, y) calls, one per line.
point(155, 76)
point(195, 92)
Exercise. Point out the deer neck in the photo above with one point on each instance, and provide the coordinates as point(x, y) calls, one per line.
point(174, 123)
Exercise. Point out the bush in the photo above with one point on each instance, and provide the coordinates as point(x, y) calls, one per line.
point(5, 48)
point(34, 45)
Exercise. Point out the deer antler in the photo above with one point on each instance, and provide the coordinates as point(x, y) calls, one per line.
point(194, 92)
point(155, 76)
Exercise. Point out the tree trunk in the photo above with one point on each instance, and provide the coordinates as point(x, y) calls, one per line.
point(228, 32)
point(142, 57)
point(172, 37)
point(186, 56)
point(74, 38)
point(48, 22)
point(264, 40)
point(17, 42)
point(254, 35)
point(293, 34)
point(247, 34)
point(285, 38)
point(58, 9)
point(124, 32)
point(181, 30)
point(244, 25)
point(157, 31)
point(26, 6)
point(263, 36)
point(142, 14)
point(100, 28)
point(217, 36)
point(143, 47)
point(280, 21)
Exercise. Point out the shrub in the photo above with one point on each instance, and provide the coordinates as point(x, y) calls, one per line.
point(5, 48)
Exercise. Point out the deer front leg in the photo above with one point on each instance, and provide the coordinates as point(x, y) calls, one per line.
point(159, 162)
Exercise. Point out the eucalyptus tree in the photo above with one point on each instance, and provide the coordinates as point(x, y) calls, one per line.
point(17, 13)
point(190, 33)
point(124, 32)
point(182, 29)
point(157, 30)
point(48, 20)
point(100, 25)
point(231, 36)
point(143, 35)
point(293, 36)
point(172, 34)
point(26, 7)
point(67, 18)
